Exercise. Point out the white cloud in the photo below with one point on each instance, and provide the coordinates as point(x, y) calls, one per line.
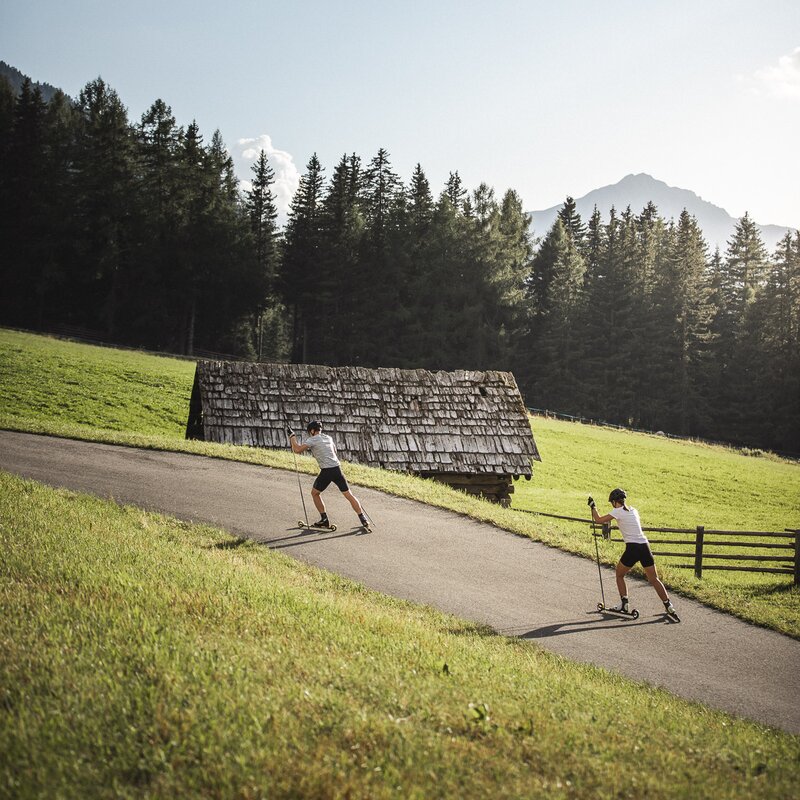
point(287, 177)
point(781, 79)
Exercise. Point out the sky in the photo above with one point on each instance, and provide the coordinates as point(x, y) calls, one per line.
point(547, 98)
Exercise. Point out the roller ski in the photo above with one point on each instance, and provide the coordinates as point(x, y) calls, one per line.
point(623, 607)
point(322, 524)
point(670, 611)
point(366, 525)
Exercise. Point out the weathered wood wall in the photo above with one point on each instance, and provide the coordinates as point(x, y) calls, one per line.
point(445, 423)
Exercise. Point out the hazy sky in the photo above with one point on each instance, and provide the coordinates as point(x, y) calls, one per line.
point(548, 98)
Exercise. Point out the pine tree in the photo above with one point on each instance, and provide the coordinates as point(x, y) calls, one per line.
point(455, 191)
point(555, 286)
point(376, 284)
point(262, 215)
point(300, 268)
point(568, 214)
point(744, 279)
point(420, 202)
point(776, 315)
point(24, 210)
point(590, 324)
point(342, 229)
point(161, 171)
point(507, 317)
point(683, 314)
point(225, 277)
point(105, 184)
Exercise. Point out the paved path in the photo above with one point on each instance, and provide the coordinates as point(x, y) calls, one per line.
point(475, 571)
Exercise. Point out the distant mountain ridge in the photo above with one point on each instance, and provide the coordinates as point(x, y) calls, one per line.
point(638, 190)
point(17, 78)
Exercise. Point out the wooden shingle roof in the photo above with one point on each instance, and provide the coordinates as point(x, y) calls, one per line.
point(408, 420)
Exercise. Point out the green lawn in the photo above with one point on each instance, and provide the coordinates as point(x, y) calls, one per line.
point(125, 397)
point(51, 380)
point(144, 657)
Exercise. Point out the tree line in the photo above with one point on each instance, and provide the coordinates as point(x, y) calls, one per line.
point(141, 230)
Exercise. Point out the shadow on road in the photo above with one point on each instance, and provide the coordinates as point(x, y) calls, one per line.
point(582, 626)
point(306, 536)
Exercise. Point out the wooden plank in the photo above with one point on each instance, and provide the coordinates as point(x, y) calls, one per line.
point(771, 570)
point(726, 557)
point(751, 545)
point(748, 545)
point(771, 534)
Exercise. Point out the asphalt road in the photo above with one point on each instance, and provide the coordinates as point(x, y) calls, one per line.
point(470, 569)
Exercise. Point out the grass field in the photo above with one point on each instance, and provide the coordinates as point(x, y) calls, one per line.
point(125, 397)
point(144, 657)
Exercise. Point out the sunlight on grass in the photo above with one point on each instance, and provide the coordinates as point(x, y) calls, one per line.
point(146, 657)
point(137, 399)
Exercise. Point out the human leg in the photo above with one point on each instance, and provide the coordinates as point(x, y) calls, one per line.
point(341, 482)
point(652, 575)
point(621, 571)
point(319, 503)
point(353, 500)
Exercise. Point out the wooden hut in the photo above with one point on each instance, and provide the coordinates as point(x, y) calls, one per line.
point(467, 429)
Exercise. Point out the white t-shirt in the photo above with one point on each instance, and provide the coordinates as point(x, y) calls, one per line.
point(323, 449)
point(629, 525)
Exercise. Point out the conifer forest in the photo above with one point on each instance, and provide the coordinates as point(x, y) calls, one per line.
point(139, 229)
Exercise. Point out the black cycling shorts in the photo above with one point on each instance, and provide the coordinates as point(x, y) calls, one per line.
point(328, 476)
point(637, 551)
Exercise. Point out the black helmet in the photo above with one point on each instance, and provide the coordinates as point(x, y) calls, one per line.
point(314, 425)
point(617, 496)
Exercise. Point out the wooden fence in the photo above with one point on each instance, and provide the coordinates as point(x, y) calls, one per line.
point(783, 548)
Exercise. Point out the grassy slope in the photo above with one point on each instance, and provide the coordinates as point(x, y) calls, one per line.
point(141, 656)
point(70, 389)
point(672, 483)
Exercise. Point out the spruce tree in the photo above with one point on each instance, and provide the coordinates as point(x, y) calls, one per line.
point(262, 215)
point(376, 284)
point(300, 268)
point(342, 228)
point(106, 187)
point(24, 209)
point(776, 316)
point(568, 214)
point(744, 280)
point(554, 287)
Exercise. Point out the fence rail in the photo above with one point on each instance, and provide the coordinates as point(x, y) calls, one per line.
point(697, 547)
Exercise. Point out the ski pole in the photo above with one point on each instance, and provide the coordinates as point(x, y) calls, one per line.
point(296, 471)
point(599, 572)
point(368, 515)
point(299, 486)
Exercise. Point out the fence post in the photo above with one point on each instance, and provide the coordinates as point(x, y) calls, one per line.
point(606, 530)
point(797, 558)
point(698, 552)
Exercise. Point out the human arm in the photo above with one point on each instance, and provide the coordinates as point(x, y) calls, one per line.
point(597, 517)
point(295, 445)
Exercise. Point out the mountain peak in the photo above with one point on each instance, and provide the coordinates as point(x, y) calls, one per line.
point(638, 189)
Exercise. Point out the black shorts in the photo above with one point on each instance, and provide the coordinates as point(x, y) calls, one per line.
point(636, 551)
point(328, 476)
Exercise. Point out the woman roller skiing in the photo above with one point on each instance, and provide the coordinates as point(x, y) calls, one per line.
point(324, 451)
point(637, 549)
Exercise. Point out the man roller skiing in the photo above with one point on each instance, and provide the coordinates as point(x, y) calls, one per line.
point(323, 449)
point(637, 549)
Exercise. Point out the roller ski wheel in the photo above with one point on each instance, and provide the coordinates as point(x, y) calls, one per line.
point(633, 613)
point(315, 526)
